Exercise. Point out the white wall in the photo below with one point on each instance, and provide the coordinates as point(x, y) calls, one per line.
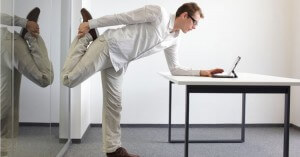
point(259, 31)
point(295, 108)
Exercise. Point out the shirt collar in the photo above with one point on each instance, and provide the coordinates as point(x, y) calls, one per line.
point(171, 22)
point(171, 25)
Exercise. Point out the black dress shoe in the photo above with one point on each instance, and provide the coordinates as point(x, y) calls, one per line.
point(33, 15)
point(121, 152)
point(86, 16)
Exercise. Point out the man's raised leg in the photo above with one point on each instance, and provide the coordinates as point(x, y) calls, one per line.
point(82, 62)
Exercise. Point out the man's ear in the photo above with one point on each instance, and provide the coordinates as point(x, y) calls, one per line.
point(184, 15)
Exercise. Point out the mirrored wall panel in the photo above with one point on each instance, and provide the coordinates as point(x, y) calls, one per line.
point(34, 104)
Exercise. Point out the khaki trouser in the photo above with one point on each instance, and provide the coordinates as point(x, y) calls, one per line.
point(19, 58)
point(84, 60)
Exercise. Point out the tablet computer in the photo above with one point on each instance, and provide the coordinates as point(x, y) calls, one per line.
point(231, 73)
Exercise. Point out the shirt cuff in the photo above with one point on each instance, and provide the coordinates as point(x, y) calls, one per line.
point(92, 23)
point(195, 72)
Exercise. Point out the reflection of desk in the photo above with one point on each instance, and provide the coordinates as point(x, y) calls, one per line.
point(245, 83)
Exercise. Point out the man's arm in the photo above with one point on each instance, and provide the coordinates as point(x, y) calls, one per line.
point(178, 70)
point(174, 67)
point(9, 20)
point(32, 27)
point(148, 13)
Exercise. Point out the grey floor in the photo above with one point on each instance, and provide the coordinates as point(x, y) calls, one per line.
point(152, 142)
point(34, 141)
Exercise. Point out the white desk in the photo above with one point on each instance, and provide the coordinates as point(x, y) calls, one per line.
point(245, 83)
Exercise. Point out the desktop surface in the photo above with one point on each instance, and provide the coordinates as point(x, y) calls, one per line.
point(243, 79)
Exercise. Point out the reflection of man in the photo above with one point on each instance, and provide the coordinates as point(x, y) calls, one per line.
point(29, 58)
point(147, 30)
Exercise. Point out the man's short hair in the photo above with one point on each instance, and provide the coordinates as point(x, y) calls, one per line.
point(191, 8)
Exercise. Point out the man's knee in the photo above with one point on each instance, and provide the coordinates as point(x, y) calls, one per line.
point(68, 82)
point(47, 79)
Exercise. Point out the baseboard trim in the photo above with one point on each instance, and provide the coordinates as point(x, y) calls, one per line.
point(38, 124)
point(229, 125)
point(295, 126)
point(77, 141)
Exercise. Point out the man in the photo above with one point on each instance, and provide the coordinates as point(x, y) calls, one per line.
point(147, 30)
point(29, 58)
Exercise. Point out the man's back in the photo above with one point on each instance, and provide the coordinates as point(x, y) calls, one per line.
point(144, 29)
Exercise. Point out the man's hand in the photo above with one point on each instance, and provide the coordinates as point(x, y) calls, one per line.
point(209, 73)
point(83, 29)
point(33, 28)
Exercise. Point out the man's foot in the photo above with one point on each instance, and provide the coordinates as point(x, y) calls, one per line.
point(86, 16)
point(33, 15)
point(121, 152)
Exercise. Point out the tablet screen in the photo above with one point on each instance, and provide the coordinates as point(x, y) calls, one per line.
point(234, 65)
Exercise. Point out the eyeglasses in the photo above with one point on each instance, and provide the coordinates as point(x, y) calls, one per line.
point(195, 22)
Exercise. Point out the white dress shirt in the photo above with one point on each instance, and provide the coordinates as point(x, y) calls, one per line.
point(147, 31)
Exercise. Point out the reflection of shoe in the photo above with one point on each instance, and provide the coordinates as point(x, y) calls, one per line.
point(33, 15)
point(86, 16)
point(121, 152)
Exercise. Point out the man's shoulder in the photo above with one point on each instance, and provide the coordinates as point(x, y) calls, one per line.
point(161, 14)
point(156, 13)
point(157, 8)
point(153, 6)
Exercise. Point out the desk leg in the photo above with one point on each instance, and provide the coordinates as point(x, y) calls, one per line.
point(243, 118)
point(187, 99)
point(286, 124)
point(170, 111)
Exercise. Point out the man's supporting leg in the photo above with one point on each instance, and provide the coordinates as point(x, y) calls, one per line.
point(111, 113)
point(112, 97)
